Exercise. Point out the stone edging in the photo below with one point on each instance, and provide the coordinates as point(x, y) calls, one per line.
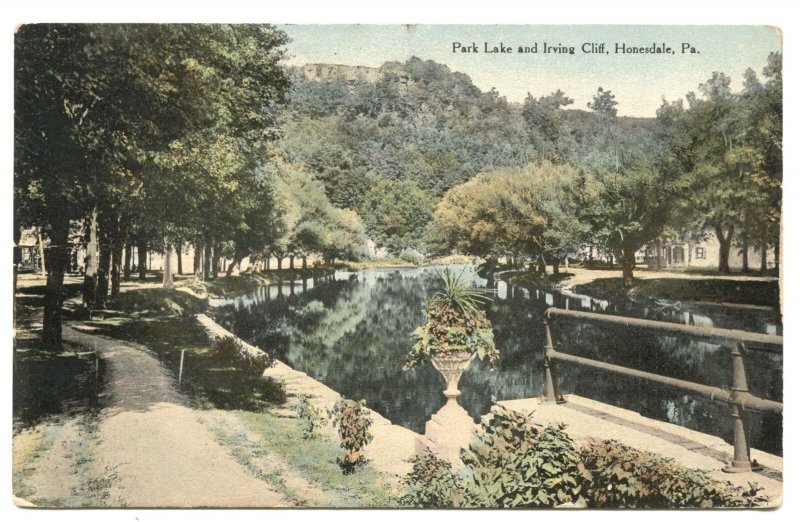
point(392, 446)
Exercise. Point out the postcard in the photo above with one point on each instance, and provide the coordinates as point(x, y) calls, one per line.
point(397, 266)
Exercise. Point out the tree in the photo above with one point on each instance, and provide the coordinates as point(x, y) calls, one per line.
point(627, 209)
point(604, 103)
point(727, 150)
point(396, 213)
point(108, 106)
point(527, 212)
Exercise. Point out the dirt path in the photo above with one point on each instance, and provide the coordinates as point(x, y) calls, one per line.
point(149, 450)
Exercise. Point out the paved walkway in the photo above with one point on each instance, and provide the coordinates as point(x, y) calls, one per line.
point(157, 450)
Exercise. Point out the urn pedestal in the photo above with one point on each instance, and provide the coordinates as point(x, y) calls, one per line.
point(451, 428)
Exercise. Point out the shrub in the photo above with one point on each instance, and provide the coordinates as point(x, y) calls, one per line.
point(514, 463)
point(353, 422)
point(229, 351)
point(431, 484)
point(623, 476)
point(311, 419)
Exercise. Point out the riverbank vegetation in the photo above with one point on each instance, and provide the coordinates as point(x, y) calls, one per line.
point(724, 291)
point(217, 147)
point(512, 463)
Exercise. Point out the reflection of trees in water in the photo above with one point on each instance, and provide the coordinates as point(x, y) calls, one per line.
point(354, 336)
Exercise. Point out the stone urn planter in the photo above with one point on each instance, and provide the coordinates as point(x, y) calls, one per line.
point(452, 365)
point(454, 317)
point(451, 428)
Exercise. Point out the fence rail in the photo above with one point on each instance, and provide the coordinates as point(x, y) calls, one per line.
point(738, 396)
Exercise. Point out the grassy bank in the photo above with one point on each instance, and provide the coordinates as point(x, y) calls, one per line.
point(404, 263)
point(532, 280)
point(270, 446)
point(723, 291)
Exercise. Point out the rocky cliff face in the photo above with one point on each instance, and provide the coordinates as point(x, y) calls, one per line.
point(325, 71)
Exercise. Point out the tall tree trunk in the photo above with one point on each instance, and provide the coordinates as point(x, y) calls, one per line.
point(628, 264)
point(541, 264)
point(198, 255)
point(90, 273)
point(266, 261)
point(179, 254)
point(215, 260)
point(104, 266)
point(280, 263)
point(54, 290)
point(724, 236)
point(206, 260)
point(126, 271)
point(291, 262)
point(556, 262)
point(763, 269)
point(658, 255)
point(166, 279)
point(305, 263)
point(745, 240)
point(199, 261)
point(41, 251)
point(17, 253)
point(777, 256)
point(141, 251)
point(237, 258)
point(118, 232)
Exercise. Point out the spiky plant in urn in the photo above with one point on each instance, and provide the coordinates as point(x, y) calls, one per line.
point(455, 332)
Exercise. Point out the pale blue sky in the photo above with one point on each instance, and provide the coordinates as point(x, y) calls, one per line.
point(638, 81)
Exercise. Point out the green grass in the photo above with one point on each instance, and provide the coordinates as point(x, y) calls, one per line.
point(312, 459)
point(206, 382)
point(50, 383)
point(733, 291)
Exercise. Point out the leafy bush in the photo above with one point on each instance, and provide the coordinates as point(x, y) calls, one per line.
point(353, 422)
point(229, 351)
point(454, 323)
point(514, 463)
point(432, 483)
point(623, 476)
point(311, 418)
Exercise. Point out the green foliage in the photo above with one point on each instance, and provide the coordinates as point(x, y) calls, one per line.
point(530, 212)
point(353, 422)
point(311, 418)
point(604, 103)
point(455, 323)
point(311, 224)
point(515, 463)
point(395, 214)
point(229, 351)
point(431, 484)
point(623, 476)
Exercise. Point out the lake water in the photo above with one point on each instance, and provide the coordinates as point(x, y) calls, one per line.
point(352, 332)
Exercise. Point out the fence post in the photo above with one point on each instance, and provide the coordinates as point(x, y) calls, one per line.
point(180, 369)
point(550, 378)
point(739, 391)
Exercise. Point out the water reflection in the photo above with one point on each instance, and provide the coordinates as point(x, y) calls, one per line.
point(352, 331)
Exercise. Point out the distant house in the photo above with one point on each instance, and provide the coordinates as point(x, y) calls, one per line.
point(701, 254)
point(28, 251)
